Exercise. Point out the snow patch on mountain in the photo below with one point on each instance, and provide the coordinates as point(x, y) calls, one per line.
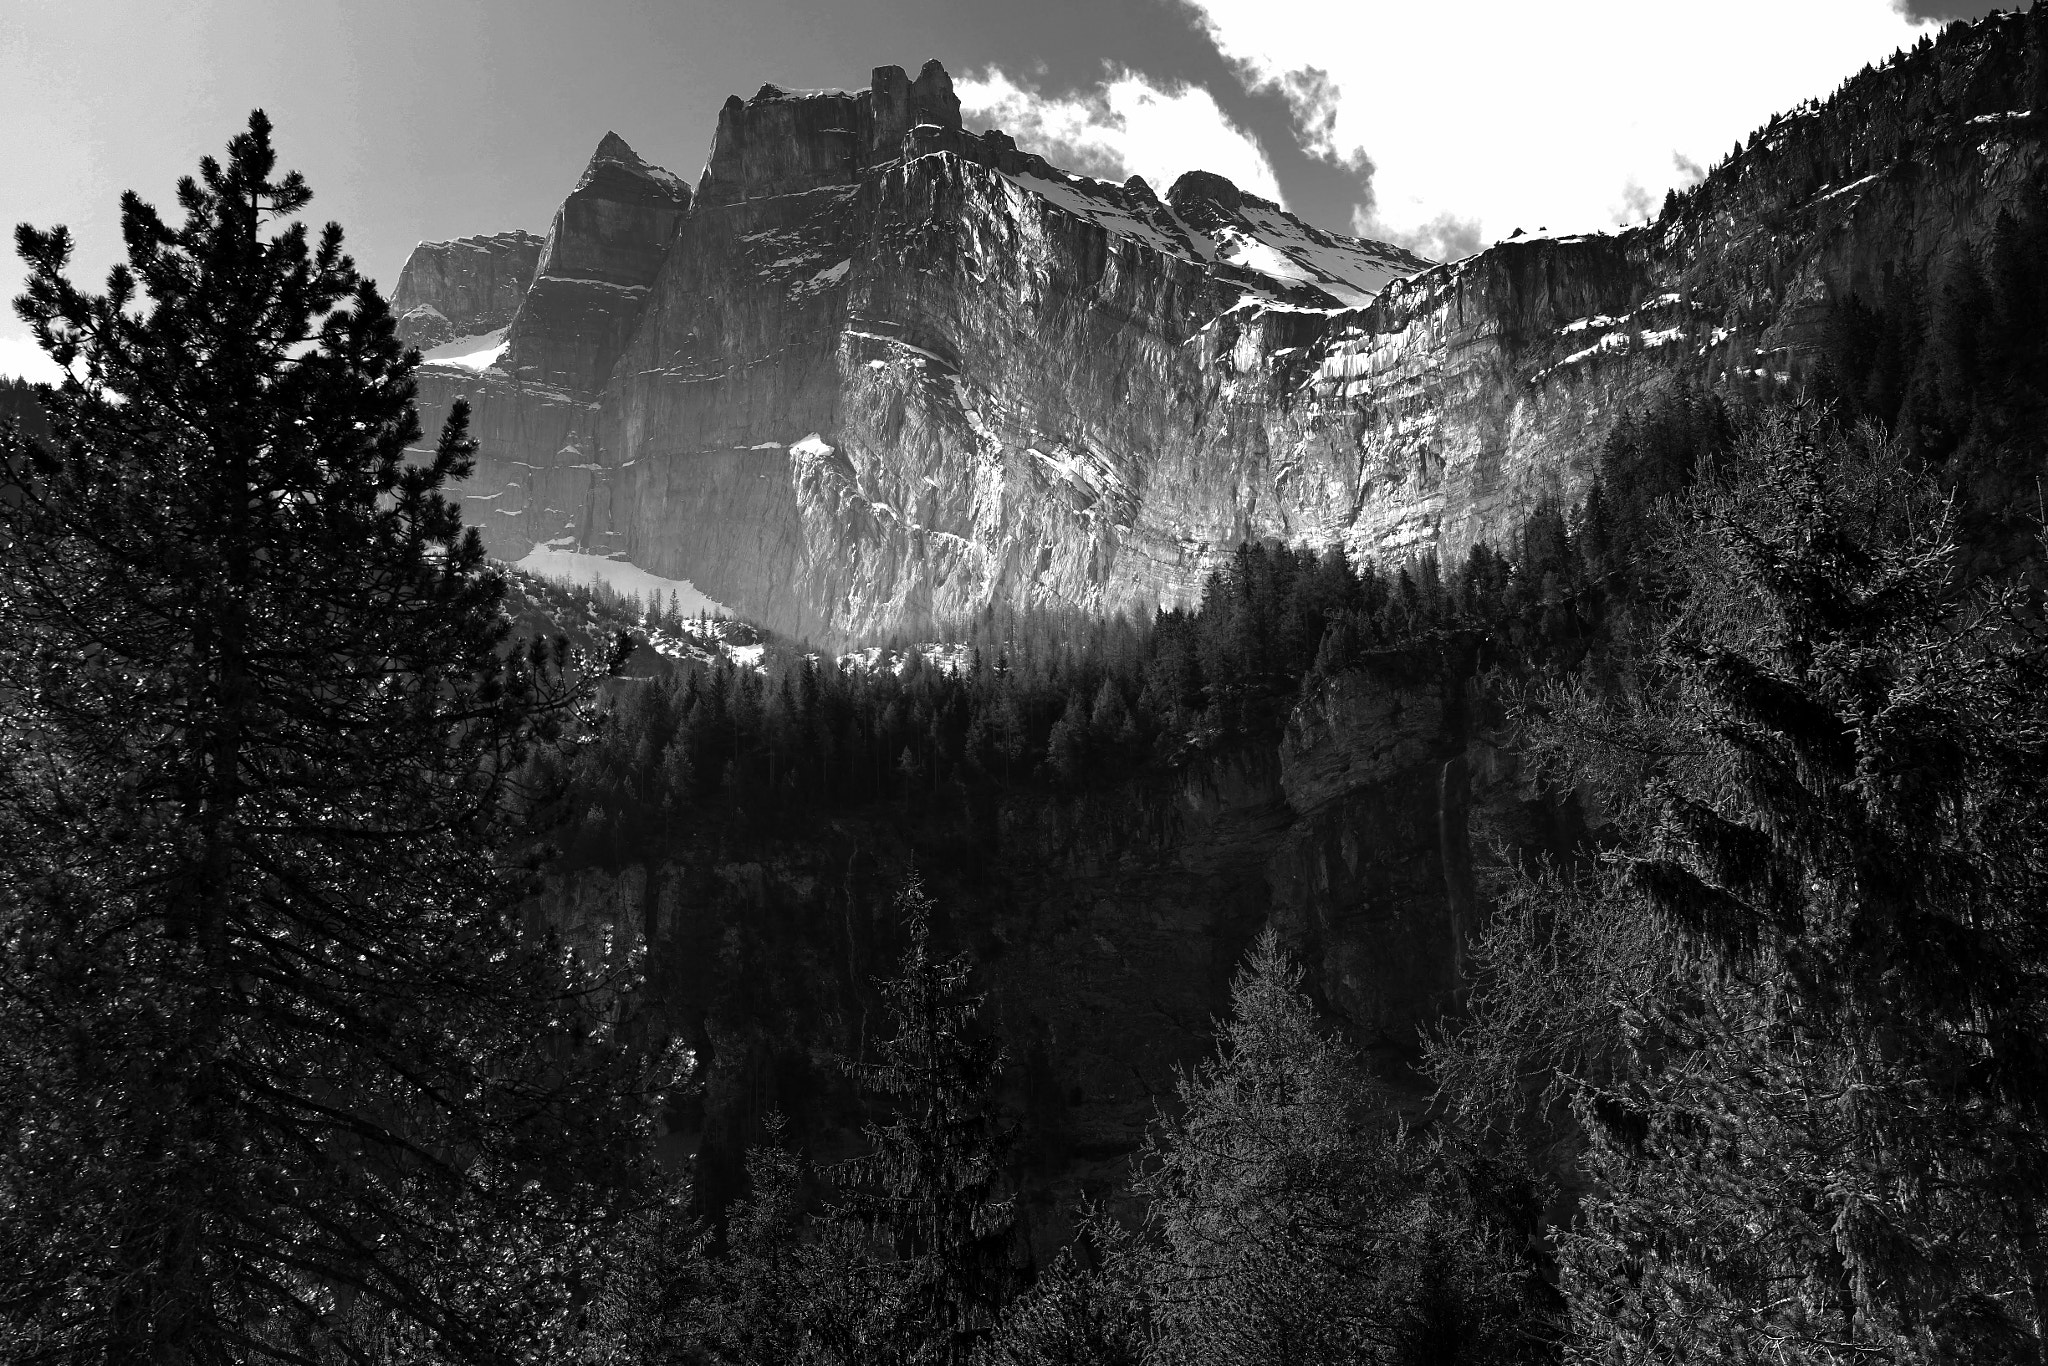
point(1264, 240)
point(469, 353)
point(553, 560)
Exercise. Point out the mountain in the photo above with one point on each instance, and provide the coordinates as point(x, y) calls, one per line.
point(462, 288)
point(880, 371)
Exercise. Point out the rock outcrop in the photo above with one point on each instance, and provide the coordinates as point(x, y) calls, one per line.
point(535, 407)
point(881, 371)
point(603, 252)
point(463, 288)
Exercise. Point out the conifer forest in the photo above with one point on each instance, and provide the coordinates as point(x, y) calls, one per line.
point(406, 958)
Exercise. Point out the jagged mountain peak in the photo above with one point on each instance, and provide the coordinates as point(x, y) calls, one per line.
point(901, 104)
point(1206, 187)
point(796, 142)
point(615, 166)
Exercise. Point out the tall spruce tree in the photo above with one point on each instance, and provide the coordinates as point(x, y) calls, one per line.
point(281, 1073)
point(929, 1187)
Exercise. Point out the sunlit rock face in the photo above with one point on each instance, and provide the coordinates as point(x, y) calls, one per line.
point(463, 288)
point(880, 371)
point(883, 370)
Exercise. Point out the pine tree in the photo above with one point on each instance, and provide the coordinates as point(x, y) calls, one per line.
point(928, 1187)
point(1864, 876)
point(1071, 743)
point(1798, 1019)
point(281, 1071)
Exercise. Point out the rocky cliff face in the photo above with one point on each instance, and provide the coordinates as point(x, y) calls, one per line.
point(536, 401)
point(857, 280)
point(882, 371)
point(463, 288)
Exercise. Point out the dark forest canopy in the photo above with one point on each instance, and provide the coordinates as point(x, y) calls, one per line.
point(20, 403)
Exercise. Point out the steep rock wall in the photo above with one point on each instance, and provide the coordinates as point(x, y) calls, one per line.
point(463, 288)
point(888, 371)
point(534, 410)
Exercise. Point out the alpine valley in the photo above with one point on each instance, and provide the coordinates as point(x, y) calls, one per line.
point(900, 392)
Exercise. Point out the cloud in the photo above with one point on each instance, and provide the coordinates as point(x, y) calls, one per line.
point(21, 358)
point(1312, 97)
point(1446, 237)
point(1508, 113)
point(1313, 100)
point(1126, 124)
point(1942, 11)
point(1637, 205)
point(1690, 172)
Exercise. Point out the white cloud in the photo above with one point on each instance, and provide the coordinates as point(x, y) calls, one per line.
point(21, 358)
point(1125, 126)
point(1313, 101)
point(1512, 115)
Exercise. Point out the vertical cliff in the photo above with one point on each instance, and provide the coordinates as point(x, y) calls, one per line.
point(463, 288)
point(881, 370)
point(534, 399)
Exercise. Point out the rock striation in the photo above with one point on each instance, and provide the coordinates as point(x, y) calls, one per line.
point(880, 371)
point(463, 288)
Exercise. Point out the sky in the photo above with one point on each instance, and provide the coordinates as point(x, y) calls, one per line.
point(1439, 124)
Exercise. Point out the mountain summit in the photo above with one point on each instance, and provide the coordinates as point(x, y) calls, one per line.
point(880, 370)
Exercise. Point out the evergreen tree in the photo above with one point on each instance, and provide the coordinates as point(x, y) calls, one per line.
point(1801, 1017)
point(281, 1072)
point(928, 1188)
point(1288, 1219)
point(21, 402)
point(1082, 1310)
point(778, 1288)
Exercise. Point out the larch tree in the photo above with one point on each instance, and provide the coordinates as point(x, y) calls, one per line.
point(1290, 1218)
point(282, 1073)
